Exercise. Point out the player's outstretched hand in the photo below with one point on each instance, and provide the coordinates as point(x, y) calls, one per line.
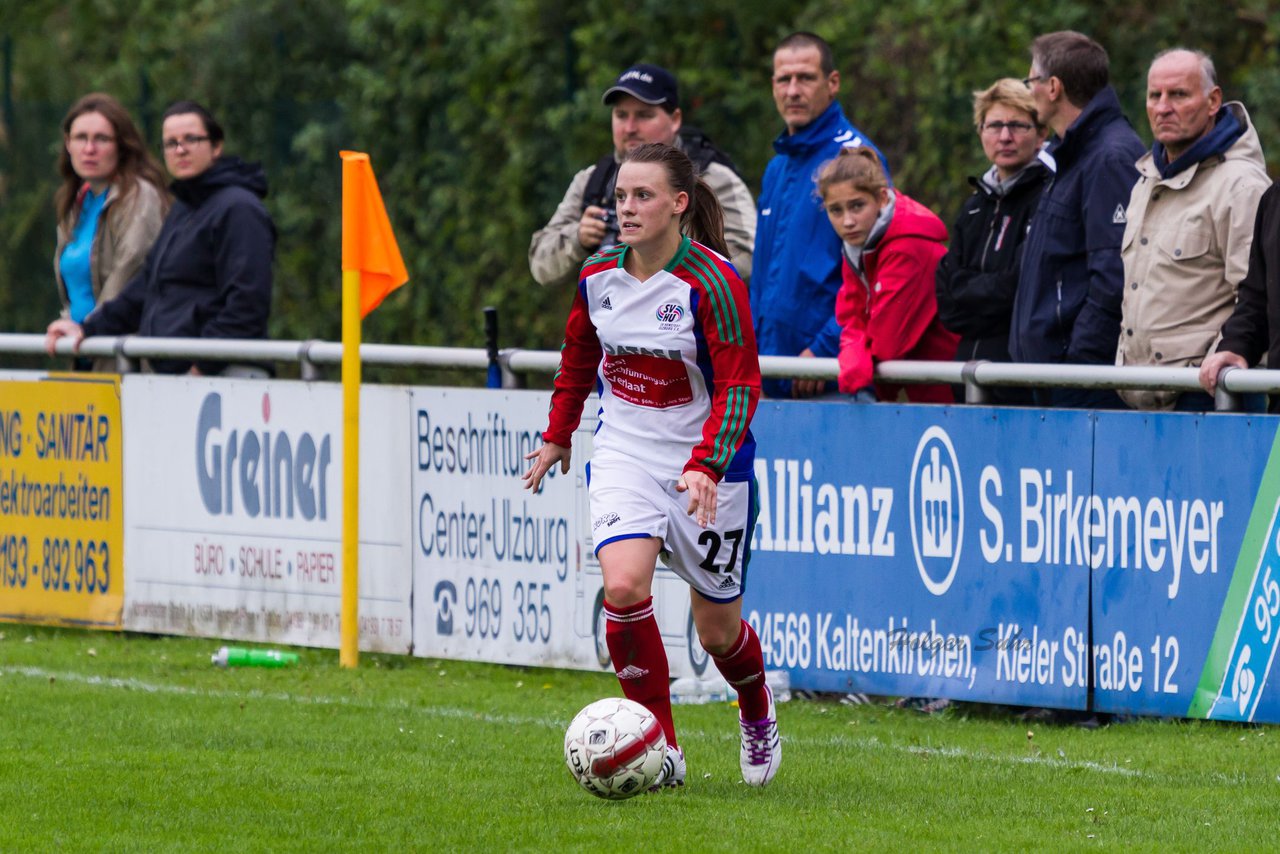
point(702, 495)
point(543, 459)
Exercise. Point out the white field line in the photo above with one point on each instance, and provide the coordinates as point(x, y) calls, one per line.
point(984, 756)
point(253, 694)
point(836, 740)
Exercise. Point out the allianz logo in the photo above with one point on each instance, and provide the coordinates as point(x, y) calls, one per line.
point(799, 514)
point(250, 470)
point(937, 510)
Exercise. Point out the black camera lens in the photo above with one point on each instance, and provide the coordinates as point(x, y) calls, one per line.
point(610, 217)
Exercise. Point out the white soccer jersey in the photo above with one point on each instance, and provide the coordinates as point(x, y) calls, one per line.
point(674, 359)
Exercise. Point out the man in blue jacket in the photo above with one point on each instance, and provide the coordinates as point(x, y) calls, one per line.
point(1067, 308)
point(796, 269)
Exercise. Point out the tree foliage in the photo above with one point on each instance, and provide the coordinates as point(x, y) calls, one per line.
point(477, 114)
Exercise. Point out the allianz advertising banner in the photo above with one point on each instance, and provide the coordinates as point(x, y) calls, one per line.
point(1186, 552)
point(501, 574)
point(923, 550)
point(61, 502)
point(234, 524)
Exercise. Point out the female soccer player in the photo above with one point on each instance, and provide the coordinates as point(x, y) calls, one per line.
point(887, 306)
point(661, 322)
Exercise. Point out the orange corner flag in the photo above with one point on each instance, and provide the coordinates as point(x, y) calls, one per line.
point(368, 244)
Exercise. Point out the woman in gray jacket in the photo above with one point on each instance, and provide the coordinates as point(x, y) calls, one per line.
point(110, 204)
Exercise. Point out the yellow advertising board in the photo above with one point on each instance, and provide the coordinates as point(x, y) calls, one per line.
point(61, 502)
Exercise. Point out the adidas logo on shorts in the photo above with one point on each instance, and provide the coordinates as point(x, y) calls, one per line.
point(727, 583)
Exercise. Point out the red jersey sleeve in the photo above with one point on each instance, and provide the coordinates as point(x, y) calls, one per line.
point(724, 314)
point(579, 360)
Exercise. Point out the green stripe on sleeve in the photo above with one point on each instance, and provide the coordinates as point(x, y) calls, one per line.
point(731, 428)
point(723, 305)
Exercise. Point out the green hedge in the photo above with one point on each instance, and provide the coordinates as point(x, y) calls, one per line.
point(476, 114)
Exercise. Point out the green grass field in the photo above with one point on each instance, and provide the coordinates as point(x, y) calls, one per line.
point(133, 743)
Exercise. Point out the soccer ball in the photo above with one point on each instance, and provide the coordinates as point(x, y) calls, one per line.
point(614, 748)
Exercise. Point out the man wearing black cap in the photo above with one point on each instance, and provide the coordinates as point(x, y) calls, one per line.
point(645, 108)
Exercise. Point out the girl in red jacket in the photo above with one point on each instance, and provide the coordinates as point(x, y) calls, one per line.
point(887, 306)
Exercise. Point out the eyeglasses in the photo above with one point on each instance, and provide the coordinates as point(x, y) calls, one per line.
point(186, 143)
point(1027, 81)
point(1014, 128)
point(80, 140)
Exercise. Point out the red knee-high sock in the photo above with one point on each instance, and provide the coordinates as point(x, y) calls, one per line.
point(743, 668)
point(640, 660)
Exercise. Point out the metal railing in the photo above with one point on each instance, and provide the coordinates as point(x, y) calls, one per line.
point(977, 378)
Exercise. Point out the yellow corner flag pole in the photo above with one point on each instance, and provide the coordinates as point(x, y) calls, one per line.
point(371, 269)
point(349, 656)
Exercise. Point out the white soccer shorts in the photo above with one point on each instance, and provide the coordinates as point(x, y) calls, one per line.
point(628, 501)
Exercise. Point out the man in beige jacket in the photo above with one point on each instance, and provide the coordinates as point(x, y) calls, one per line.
point(1190, 223)
point(644, 104)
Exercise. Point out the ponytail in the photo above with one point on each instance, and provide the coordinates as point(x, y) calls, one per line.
point(703, 220)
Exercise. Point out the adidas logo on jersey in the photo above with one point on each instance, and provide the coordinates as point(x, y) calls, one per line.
point(606, 304)
point(632, 672)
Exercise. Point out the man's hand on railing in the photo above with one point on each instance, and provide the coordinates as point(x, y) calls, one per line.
point(1212, 367)
point(62, 328)
point(802, 388)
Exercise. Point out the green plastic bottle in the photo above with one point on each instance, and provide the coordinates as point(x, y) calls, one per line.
point(238, 656)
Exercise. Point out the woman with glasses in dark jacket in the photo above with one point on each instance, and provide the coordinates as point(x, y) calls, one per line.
point(209, 273)
point(978, 277)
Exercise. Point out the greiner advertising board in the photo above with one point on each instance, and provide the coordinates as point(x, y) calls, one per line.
point(923, 550)
point(234, 522)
